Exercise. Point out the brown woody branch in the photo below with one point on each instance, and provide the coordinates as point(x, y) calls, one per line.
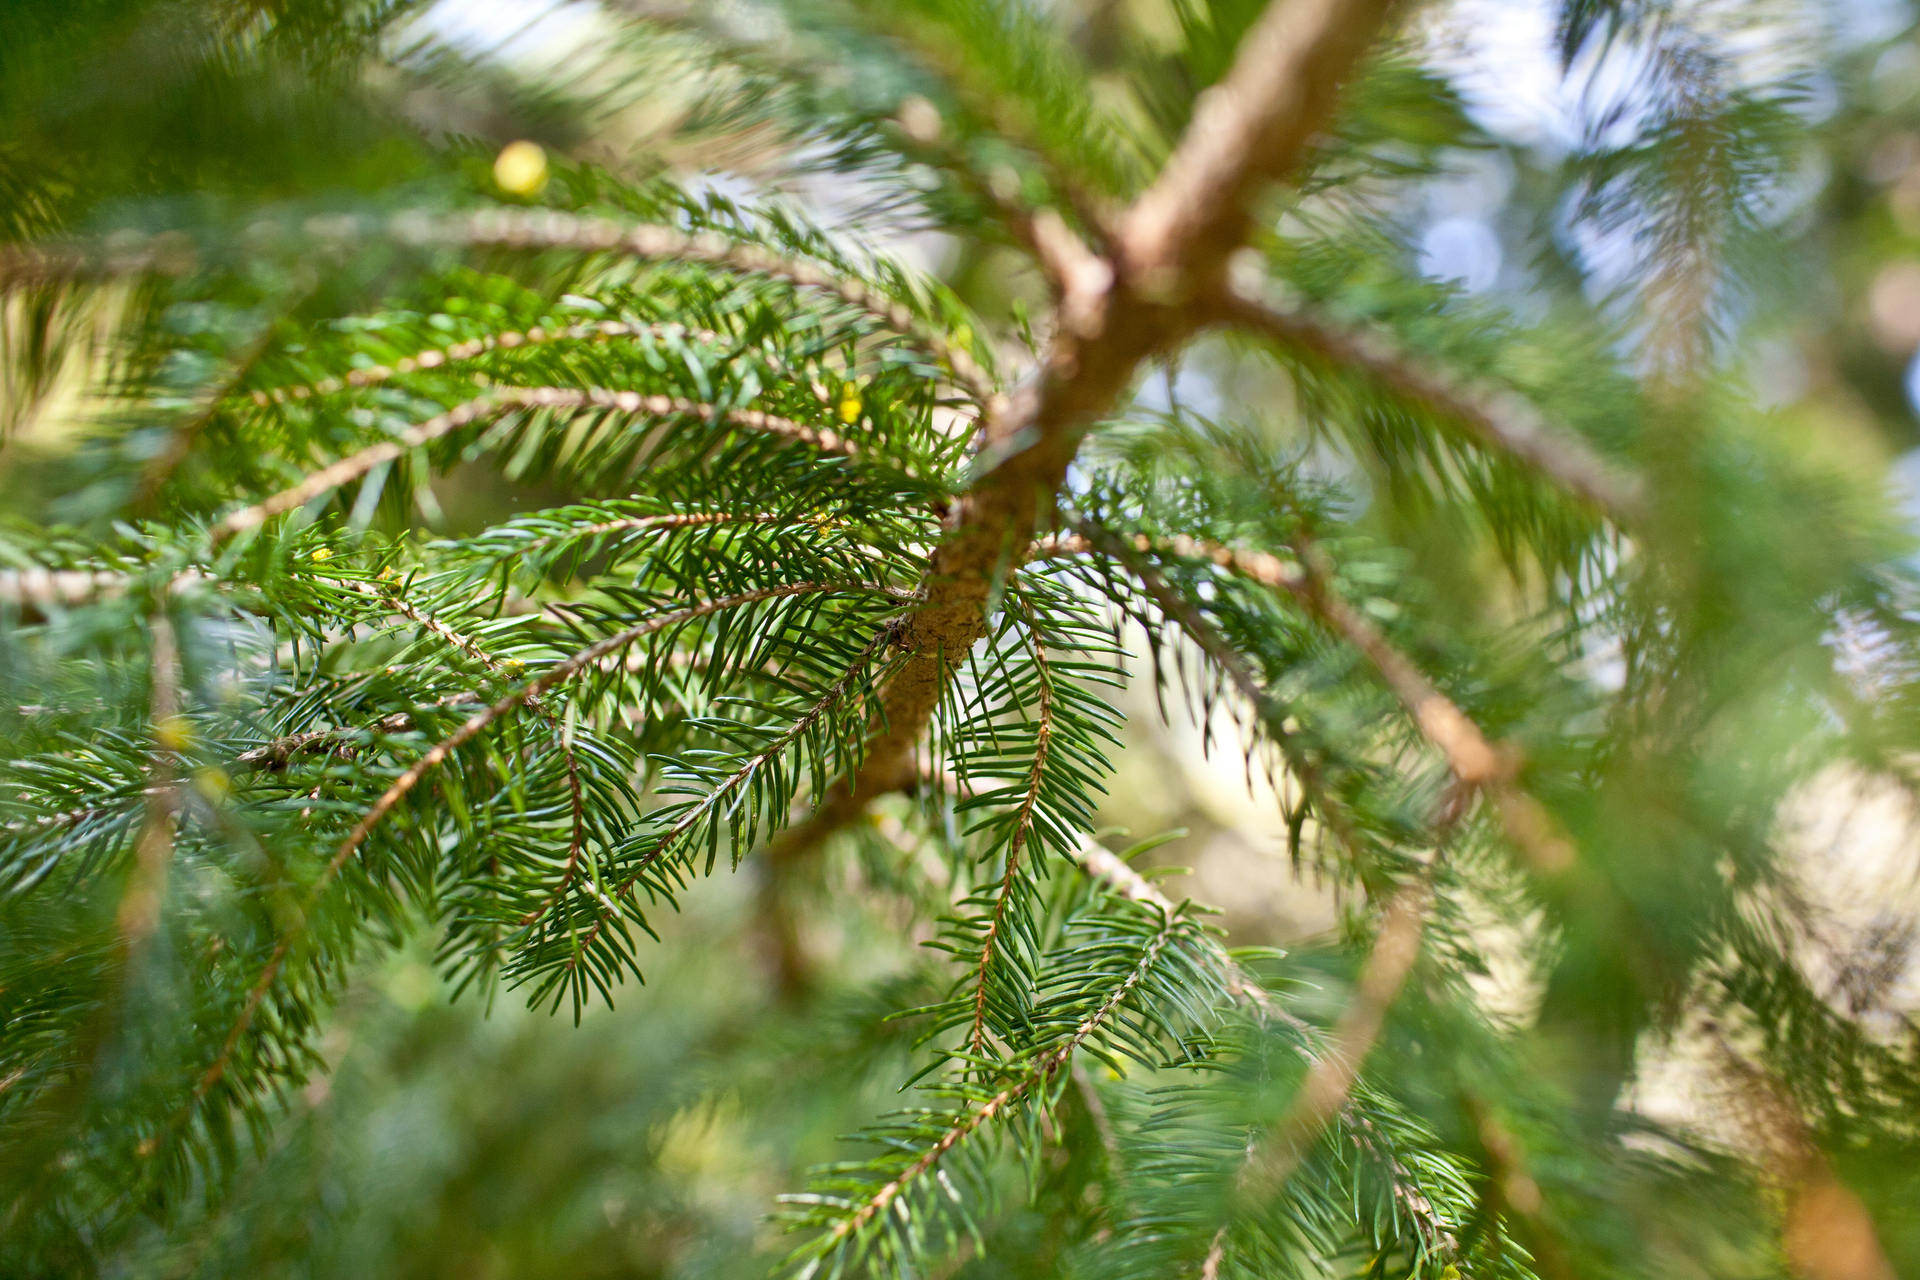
point(140, 904)
point(1331, 1077)
point(1023, 828)
point(1500, 420)
point(1116, 313)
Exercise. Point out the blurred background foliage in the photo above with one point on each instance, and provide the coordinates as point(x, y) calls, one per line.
point(456, 1141)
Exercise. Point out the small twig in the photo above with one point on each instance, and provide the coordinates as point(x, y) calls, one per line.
point(1477, 764)
point(505, 399)
point(1201, 630)
point(181, 439)
point(390, 595)
point(1216, 1255)
point(1103, 864)
point(800, 727)
point(146, 891)
point(548, 230)
point(277, 753)
point(1499, 419)
point(37, 590)
point(173, 254)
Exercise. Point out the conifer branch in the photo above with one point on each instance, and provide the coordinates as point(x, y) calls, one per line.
point(1042, 1070)
point(1170, 248)
point(171, 254)
point(277, 753)
point(1101, 863)
point(1023, 827)
point(733, 782)
point(1273, 714)
point(1330, 1077)
point(1500, 420)
point(181, 438)
point(474, 725)
point(1477, 764)
point(167, 254)
point(506, 399)
point(394, 599)
point(459, 352)
point(34, 591)
point(551, 230)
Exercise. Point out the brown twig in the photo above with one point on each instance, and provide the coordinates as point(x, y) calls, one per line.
point(389, 594)
point(1476, 764)
point(509, 398)
point(551, 230)
point(1498, 419)
point(799, 728)
point(1330, 1078)
point(173, 254)
point(1198, 628)
point(1827, 1234)
point(440, 357)
point(1096, 860)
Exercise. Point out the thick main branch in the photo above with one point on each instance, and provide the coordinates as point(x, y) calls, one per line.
point(1112, 315)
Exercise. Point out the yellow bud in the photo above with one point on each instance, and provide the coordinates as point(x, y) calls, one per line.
point(521, 168)
point(212, 783)
point(321, 553)
point(175, 733)
point(513, 666)
point(850, 406)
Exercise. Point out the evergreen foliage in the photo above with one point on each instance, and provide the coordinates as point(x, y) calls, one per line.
point(1539, 628)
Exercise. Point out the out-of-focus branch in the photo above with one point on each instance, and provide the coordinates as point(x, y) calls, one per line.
point(139, 911)
point(1331, 1077)
point(1476, 764)
point(1828, 1233)
point(1499, 419)
point(173, 254)
point(1201, 630)
point(1250, 128)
